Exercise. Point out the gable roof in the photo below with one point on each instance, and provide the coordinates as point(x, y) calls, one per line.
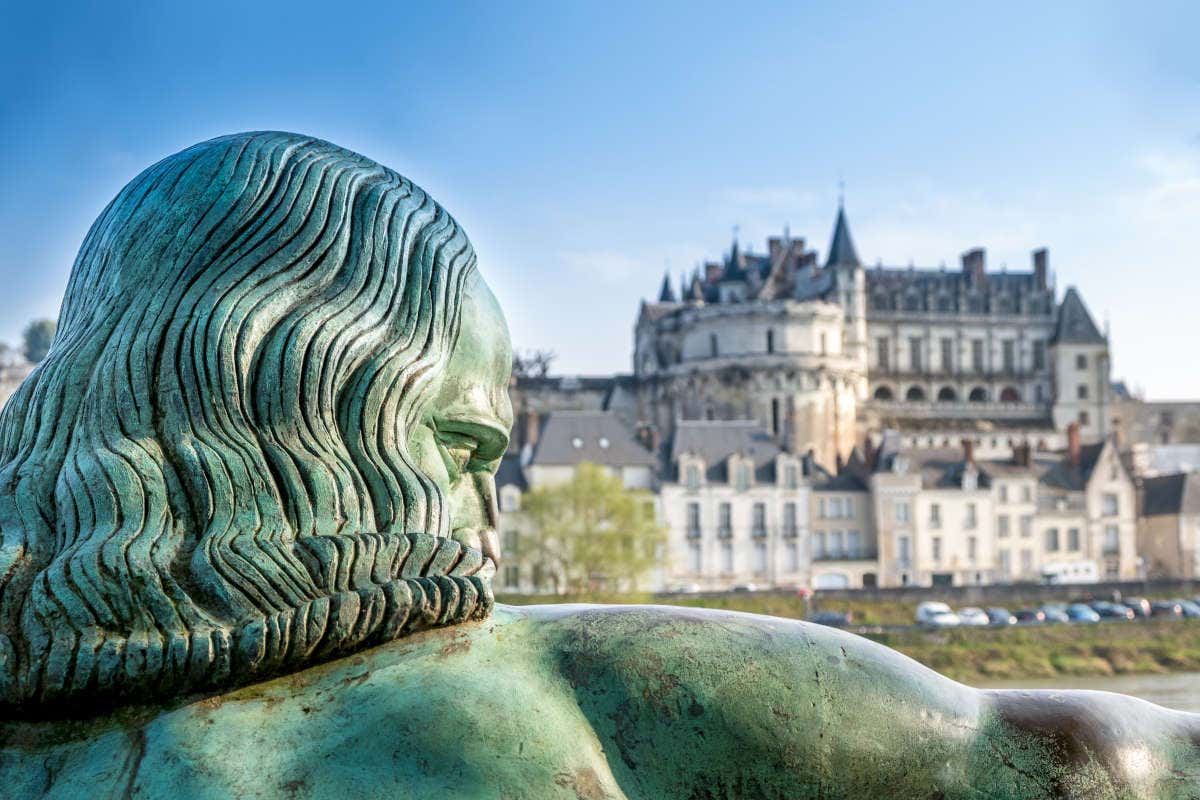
point(1075, 323)
point(1074, 477)
point(572, 437)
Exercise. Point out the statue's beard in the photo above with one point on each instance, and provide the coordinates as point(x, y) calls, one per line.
point(373, 588)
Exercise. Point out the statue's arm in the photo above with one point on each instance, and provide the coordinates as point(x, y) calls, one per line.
point(745, 706)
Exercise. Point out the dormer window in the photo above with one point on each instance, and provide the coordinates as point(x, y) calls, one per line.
point(743, 476)
point(692, 476)
point(712, 345)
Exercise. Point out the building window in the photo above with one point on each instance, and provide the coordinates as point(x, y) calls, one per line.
point(791, 557)
point(1084, 419)
point(977, 355)
point(511, 543)
point(693, 520)
point(770, 341)
point(1008, 353)
point(848, 507)
point(789, 519)
point(818, 545)
point(1081, 391)
point(1051, 540)
point(882, 356)
point(694, 556)
point(902, 512)
point(1005, 563)
point(1002, 526)
point(1003, 494)
point(1026, 561)
point(760, 558)
point(1039, 354)
point(775, 428)
point(935, 516)
point(904, 551)
point(712, 345)
point(936, 544)
point(1026, 526)
point(726, 557)
point(725, 523)
point(824, 348)
point(1026, 494)
point(914, 353)
point(972, 548)
point(791, 476)
point(1081, 361)
point(512, 576)
point(853, 544)
point(743, 477)
point(1112, 540)
point(1110, 505)
point(836, 547)
point(759, 527)
point(693, 477)
point(972, 520)
point(1073, 539)
point(948, 355)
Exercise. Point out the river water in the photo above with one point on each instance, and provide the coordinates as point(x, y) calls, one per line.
point(1179, 690)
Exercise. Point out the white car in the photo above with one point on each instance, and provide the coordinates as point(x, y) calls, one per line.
point(926, 611)
point(945, 619)
point(685, 588)
point(973, 616)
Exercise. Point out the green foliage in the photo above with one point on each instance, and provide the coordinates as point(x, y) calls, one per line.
point(591, 533)
point(38, 336)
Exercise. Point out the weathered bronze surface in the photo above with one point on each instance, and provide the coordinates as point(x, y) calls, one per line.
point(247, 533)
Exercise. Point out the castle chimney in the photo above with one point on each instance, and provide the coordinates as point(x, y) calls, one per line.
point(1074, 448)
point(1041, 263)
point(774, 247)
point(1023, 454)
point(968, 450)
point(974, 263)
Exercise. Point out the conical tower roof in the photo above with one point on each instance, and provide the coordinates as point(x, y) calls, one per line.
point(666, 294)
point(841, 249)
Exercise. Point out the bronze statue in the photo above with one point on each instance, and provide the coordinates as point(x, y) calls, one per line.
point(247, 534)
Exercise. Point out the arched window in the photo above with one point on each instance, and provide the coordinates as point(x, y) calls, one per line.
point(912, 302)
point(978, 395)
point(884, 393)
point(947, 394)
point(770, 341)
point(943, 303)
point(915, 394)
point(776, 427)
point(1009, 394)
point(712, 345)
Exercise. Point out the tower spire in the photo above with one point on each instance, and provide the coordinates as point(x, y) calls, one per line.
point(841, 248)
point(666, 294)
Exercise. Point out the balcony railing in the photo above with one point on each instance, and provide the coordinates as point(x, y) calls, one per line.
point(958, 409)
point(844, 555)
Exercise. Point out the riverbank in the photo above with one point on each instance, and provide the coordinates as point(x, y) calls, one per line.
point(979, 655)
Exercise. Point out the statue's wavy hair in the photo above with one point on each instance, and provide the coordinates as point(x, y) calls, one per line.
point(207, 480)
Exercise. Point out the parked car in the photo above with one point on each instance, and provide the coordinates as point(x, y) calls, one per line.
point(1031, 616)
point(973, 616)
point(944, 619)
point(1140, 606)
point(834, 619)
point(1191, 610)
point(1000, 616)
point(1166, 608)
point(926, 610)
point(685, 588)
point(1078, 612)
point(1108, 610)
point(1055, 613)
point(742, 588)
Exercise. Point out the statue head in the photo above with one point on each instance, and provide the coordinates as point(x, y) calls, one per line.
point(264, 435)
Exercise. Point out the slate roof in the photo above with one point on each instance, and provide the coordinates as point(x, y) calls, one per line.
point(939, 468)
point(510, 473)
point(715, 441)
point(666, 294)
point(1171, 494)
point(1075, 324)
point(841, 248)
point(572, 437)
point(1074, 477)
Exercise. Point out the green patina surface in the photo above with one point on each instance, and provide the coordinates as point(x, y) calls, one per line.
point(595, 702)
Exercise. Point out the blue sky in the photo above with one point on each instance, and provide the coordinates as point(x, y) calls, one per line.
point(586, 147)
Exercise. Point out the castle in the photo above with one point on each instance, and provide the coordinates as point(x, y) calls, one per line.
point(826, 356)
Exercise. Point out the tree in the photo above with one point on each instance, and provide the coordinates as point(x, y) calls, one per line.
point(532, 365)
point(591, 533)
point(38, 336)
